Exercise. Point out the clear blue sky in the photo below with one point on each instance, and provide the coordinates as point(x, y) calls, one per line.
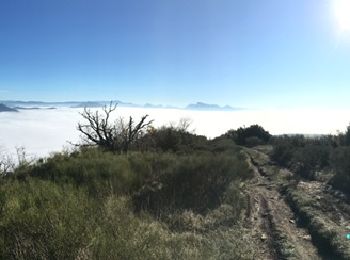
point(248, 53)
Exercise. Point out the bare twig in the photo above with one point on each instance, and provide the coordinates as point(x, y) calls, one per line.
point(117, 136)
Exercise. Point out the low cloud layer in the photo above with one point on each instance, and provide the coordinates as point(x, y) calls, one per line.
point(45, 131)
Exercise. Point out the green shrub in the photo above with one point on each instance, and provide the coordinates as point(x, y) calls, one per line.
point(219, 145)
point(158, 181)
point(195, 182)
point(249, 136)
point(103, 173)
point(173, 139)
point(282, 154)
point(304, 157)
point(340, 161)
point(310, 159)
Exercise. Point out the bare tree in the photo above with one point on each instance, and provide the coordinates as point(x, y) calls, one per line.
point(131, 132)
point(184, 124)
point(117, 136)
point(6, 164)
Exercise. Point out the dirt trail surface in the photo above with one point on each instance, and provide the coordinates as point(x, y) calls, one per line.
point(273, 223)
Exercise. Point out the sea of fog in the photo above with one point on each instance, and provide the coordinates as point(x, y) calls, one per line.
point(42, 132)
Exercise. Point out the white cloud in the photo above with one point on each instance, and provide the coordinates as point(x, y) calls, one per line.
point(45, 131)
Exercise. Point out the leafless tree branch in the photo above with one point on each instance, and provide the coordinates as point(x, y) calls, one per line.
point(118, 136)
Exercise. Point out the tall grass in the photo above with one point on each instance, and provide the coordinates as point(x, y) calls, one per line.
point(91, 204)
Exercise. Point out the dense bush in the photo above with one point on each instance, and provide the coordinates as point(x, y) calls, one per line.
point(347, 136)
point(282, 154)
point(310, 159)
point(292, 140)
point(196, 182)
point(340, 161)
point(309, 155)
point(343, 139)
point(222, 144)
point(305, 156)
point(172, 139)
point(249, 136)
point(102, 173)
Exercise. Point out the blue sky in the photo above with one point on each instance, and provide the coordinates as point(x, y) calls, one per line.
point(246, 53)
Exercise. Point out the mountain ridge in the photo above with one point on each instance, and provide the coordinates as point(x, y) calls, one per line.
point(19, 104)
point(4, 108)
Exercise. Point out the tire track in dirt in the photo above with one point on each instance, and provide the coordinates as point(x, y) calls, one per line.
point(273, 222)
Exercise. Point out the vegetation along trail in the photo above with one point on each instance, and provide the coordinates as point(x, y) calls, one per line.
point(277, 226)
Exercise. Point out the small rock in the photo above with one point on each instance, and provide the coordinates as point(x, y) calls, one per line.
point(307, 237)
point(263, 237)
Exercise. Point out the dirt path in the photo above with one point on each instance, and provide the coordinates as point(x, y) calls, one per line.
point(273, 223)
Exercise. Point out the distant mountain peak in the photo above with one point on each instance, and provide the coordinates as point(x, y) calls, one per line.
point(206, 106)
point(4, 108)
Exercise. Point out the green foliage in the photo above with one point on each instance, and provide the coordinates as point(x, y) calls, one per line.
point(249, 136)
point(310, 159)
point(307, 156)
point(102, 173)
point(284, 148)
point(303, 156)
point(219, 145)
point(282, 153)
point(172, 139)
point(347, 136)
point(340, 161)
point(196, 182)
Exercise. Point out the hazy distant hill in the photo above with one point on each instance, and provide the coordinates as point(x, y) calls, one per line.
point(21, 105)
point(205, 106)
point(26, 105)
point(36, 104)
point(90, 104)
point(69, 104)
point(148, 105)
point(4, 108)
point(34, 108)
